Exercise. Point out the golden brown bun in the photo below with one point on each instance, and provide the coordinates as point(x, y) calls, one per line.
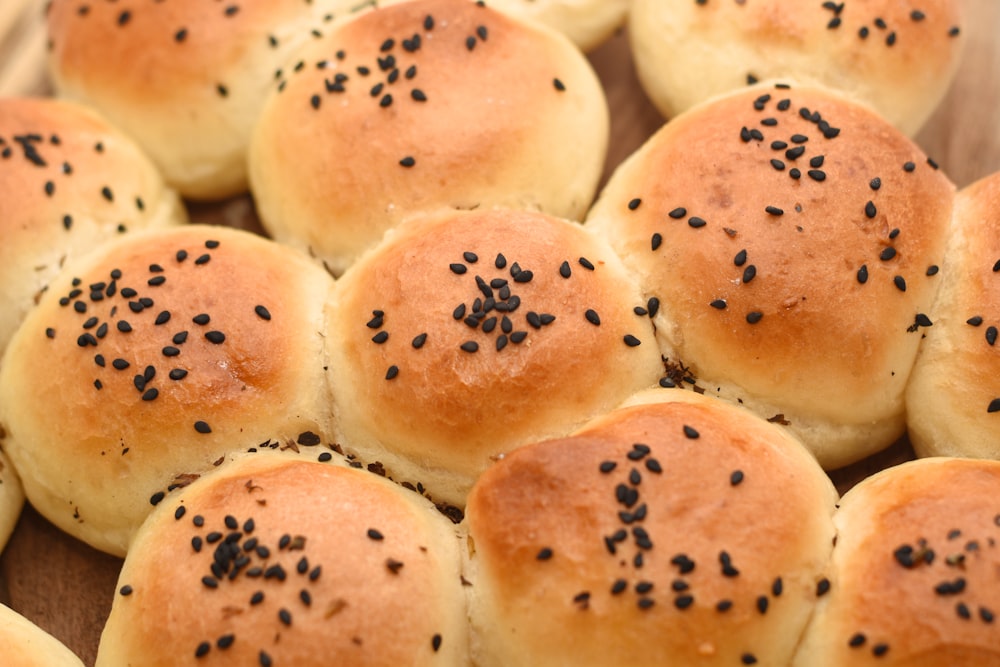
point(917, 551)
point(352, 569)
point(806, 342)
point(952, 398)
point(898, 57)
point(587, 23)
point(433, 412)
point(185, 78)
point(11, 498)
point(556, 541)
point(96, 444)
point(24, 644)
point(512, 115)
point(56, 159)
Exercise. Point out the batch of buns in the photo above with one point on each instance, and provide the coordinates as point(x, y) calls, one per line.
point(457, 407)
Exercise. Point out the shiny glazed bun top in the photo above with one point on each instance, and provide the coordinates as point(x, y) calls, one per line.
point(415, 106)
point(272, 561)
point(466, 334)
point(915, 571)
point(897, 57)
point(677, 531)
point(68, 182)
point(151, 357)
point(186, 78)
point(793, 238)
point(953, 397)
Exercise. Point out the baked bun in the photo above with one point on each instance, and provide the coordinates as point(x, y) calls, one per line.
point(840, 223)
point(421, 105)
point(467, 334)
point(290, 562)
point(24, 644)
point(914, 576)
point(185, 78)
point(68, 182)
point(677, 531)
point(151, 357)
point(11, 498)
point(587, 23)
point(952, 397)
point(898, 57)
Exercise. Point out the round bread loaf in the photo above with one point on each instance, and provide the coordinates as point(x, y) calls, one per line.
point(277, 561)
point(793, 238)
point(914, 575)
point(678, 530)
point(466, 334)
point(953, 397)
point(421, 105)
point(25, 644)
point(11, 498)
point(898, 57)
point(185, 78)
point(587, 23)
point(151, 357)
point(68, 182)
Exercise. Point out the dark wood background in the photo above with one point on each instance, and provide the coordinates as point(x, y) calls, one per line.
point(66, 587)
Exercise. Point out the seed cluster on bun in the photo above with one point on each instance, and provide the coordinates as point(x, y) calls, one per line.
point(185, 78)
point(274, 560)
point(466, 334)
point(897, 57)
point(676, 530)
point(914, 572)
point(68, 182)
point(415, 106)
point(151, 357)
point(953, 397)
point(794, 240)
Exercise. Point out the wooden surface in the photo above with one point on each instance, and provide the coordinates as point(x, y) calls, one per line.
point(67, 588)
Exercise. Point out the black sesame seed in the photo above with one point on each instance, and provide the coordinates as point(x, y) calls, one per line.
point(724, 605)
point(202, 427)
point(592, 317)
point(634, 204)
point(683, 601)
point(631, 340)
point(216, 337)
point(879, 650)
point(719, 304)
point(909, 166)
point(125, 590)
point(900, 283)
point(392, 372)
point(696, 222)
point(749, 658)
point(822, 587)
point(774, 210)
point(691, 433)
point(762, 603)
point(870, 210)
point(544, 554)
point(755, 316)
point(887, 253)
point(736, 477)
point(817, 175)
point(202, 650)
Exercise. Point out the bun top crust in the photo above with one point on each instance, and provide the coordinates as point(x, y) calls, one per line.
point(953, 397)
point(466, 334)
point(680, 530)
point(793, 238)
point(288, 562)
point(914, 570)
point(896, 57)
point(586, 23)
point(152, 356)
point(420, 105)
point(68, 182)
point(11, 498)
point(185, 78)
point(27, 645)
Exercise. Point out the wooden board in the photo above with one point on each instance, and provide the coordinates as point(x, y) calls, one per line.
point(67, 587)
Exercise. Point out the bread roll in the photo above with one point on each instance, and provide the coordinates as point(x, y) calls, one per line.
point(185, 78)
point(914, 577)
point(151, 357)
point(24, 644)
point(677, 531)
point(467, 334)
point(793, 238)
point(952, 397)
point(587, 23)
point(275, 561)
point(11, 498)
point(898, 57)
point(420, 105)
point(68, 182)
